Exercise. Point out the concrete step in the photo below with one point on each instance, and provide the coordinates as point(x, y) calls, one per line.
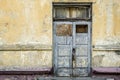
point(70, 78)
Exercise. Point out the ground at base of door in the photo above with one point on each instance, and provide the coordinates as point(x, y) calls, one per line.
point(73, 78)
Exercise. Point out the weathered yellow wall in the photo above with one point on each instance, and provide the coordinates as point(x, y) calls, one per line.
point(106, 22)
point(25, 22)
point(106, 33)
point(29, 22)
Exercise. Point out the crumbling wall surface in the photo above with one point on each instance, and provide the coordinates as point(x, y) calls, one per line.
point(106, 59)
point(106, 33)
point(25, 34)
point(25, 24)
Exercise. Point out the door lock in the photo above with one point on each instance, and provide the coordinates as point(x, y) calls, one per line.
point(73, 54)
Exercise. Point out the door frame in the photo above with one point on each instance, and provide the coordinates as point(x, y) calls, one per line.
point(89, 23)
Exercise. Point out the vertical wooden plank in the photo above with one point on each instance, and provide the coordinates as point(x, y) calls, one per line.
point(89, 47)
point(55, 48)
point(74, 34)
point(60, 12)
point(63, 62)
point(69, 40)
point(82, 38)
point(82, 50)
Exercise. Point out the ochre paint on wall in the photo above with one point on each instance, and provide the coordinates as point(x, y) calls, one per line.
point(28, 22)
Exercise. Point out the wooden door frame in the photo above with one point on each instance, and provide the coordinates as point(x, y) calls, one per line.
point(90, 45)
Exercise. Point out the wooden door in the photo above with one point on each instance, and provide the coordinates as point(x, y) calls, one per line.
point(82, 47)
point(71, 48)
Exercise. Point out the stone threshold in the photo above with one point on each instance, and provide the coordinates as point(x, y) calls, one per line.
point(49, 70)
point(70, 78)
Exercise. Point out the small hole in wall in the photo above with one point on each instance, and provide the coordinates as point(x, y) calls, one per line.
point(117, 52)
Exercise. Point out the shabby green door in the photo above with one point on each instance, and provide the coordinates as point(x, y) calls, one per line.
point(72, 48)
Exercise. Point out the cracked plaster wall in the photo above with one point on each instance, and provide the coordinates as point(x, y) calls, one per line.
point(28, 22)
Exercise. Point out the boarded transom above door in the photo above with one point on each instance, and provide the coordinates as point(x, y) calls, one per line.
point(71, 11)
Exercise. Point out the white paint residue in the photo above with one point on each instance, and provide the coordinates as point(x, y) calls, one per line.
point(22, 58)
point(114, 40)
point(2, 42)
point(29, 30)
point(42, 2)
point(101, 7)
point(109, 9)
point(27, 12)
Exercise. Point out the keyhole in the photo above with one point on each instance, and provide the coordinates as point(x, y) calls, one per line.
point(73, 54)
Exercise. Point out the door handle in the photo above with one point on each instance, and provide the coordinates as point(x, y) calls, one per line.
point(73, 54)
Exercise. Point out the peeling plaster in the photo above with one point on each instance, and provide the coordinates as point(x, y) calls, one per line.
point(30, 23)
point(110, 23)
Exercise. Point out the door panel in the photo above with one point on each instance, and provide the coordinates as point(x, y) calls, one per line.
point(81, 50)
point(63, 72)
point(81, 62)
point(80, 72)
point(61, 40)
point(64, 29)
point(63, 62)
point(64, 40)
point(81, 38)
point(63, 48)
point(72, 48)
point(82, 44)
